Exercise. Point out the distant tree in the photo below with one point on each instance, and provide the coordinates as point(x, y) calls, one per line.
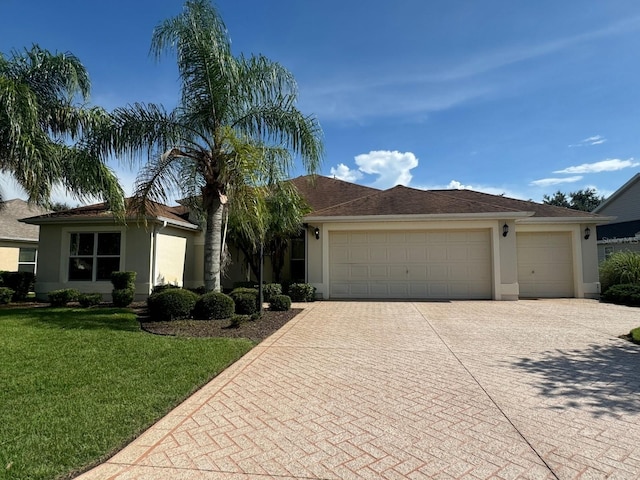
point(60, 206)
point(585, 200)
point(42, 127)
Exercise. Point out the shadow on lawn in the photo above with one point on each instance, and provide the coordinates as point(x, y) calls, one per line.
point(600, 379)
point(75, 319)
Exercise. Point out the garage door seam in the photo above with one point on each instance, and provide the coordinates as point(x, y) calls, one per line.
point(502, 412)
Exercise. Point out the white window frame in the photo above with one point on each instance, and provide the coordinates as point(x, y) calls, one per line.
point(35, 260)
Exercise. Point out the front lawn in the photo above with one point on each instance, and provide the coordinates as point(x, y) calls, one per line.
point(76, 385)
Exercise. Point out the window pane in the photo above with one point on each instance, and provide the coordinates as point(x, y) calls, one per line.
point(297, 249)
point(81, 268)
point(27, 255)
point(109, 243)
point(81, 244)
point(297, 271)
point(106, 266)
point(27, 267)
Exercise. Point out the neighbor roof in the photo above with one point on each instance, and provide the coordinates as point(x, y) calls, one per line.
point(101, 212)
point(612, 198)
point(10, 226)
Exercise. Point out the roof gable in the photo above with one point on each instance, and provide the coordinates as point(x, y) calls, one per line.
point(10, 226)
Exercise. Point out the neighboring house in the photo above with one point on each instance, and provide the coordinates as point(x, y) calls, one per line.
point(359, 242)
point(624, 233)
point(18, 241)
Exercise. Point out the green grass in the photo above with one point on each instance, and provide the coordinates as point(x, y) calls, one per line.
point(76, 385)
point(635, 335)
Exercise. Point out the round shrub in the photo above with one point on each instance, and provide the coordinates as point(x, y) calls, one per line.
point(246, 300)
point(270, 290)
point(122, 297)
point(280, 303)
point(87, 300)
point(172, 304)
point(162, 287)
point(59, 298)
point(214, 305)
point(237, 320)
point(302, 292)
point(122, 280)
point(6, 294)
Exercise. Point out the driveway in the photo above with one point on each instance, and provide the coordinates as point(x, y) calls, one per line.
point(451, 390)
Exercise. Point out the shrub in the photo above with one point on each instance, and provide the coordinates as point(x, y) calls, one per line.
point(60, 298)
point(620, 268)
point(635, 335)
point(123, 280)
point(172, 304)
point(122, 297)
point(89, 299)
point(214, 305)
point(280, 303)
point(246, 300)
point(6, 294)
point(245, 284)
point(625, 294)
point(237, 320)
point(20, 282)
point(270, 290)
point(199, 290)
point(302, 292)
point(162, 287)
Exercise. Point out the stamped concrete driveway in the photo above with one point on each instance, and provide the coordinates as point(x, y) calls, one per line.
point(464, 390)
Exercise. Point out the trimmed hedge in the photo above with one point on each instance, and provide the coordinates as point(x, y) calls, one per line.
point(246, 300)
point(20, 282)
point(123, 297)
point(213, 306)
point(122, 280)
point(162, 287)
point(270, 290)
point(302, 292)
point(60, 298)
point(280, 303)
point(172, 304)
point(245, 284)
point(625, 294)
point(6, 294)
point(87, 300)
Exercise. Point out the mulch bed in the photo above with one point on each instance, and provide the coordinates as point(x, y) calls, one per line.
point(256, 330)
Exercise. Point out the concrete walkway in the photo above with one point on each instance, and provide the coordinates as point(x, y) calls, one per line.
point(460, 390)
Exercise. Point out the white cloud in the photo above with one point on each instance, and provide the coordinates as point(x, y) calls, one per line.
point(589, 141)
point(392, 167)
point(342, 172)
point(545, 182)
point(608, 165)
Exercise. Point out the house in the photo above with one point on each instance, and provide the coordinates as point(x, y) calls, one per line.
point(624, 233)
point(359, 242)
point(18, 241)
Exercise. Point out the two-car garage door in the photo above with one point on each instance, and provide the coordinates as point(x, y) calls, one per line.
point(410, 264)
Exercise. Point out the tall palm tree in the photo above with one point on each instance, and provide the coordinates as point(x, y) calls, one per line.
point(39, 123)
point(236, 124)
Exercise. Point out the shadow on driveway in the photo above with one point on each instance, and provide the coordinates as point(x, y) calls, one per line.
point(604, 380)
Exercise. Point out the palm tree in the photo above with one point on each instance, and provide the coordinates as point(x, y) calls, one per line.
point(38, 121)
point(236, 125)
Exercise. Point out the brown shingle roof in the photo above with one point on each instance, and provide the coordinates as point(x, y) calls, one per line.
point(321, 192)
point(101, 211)
point(402, 200)
point(11, 228)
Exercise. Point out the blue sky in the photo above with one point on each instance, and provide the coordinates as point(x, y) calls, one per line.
point(501, 96)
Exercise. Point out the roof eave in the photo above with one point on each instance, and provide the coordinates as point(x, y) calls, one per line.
point(578, 220)
point(104, 220)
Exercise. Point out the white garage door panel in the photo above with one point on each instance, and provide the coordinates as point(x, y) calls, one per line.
point(410, 264)
point(545, 265)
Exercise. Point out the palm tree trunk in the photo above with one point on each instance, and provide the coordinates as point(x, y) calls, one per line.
point(213, 244)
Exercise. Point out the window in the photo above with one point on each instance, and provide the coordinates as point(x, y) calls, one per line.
point(608, 251)
point(298, 273)
point(27, 260)
point(93, 256)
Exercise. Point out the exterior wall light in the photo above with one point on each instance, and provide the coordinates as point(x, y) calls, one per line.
point(505, 230)
point(587, 233)
point(316, 232)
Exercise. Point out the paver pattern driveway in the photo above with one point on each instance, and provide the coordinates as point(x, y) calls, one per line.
point(451, 390)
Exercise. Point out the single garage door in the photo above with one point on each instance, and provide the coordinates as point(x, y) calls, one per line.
point(545, 265)
point(410, 264)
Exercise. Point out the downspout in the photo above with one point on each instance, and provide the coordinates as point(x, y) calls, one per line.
point(154, 254)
